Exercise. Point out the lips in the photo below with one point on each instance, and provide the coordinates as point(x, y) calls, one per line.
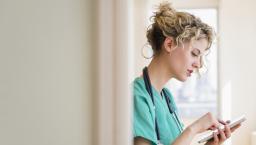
point(190, 72)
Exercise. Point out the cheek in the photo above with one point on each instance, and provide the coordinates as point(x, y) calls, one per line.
point(184, 61)
point(180, 63)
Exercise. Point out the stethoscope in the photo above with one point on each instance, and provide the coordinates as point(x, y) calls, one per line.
point(170, 107)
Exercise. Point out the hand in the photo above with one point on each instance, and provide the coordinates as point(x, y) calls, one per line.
point(206, 122)
point(223, 134)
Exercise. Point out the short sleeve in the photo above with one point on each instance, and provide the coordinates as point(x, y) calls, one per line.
point(143, 119)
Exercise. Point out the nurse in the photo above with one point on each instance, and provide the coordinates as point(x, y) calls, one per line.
point(179, 41)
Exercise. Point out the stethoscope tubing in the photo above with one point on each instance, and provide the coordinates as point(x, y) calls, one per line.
point(171, 110)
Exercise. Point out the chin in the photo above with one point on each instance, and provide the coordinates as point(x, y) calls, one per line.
point(182, 78)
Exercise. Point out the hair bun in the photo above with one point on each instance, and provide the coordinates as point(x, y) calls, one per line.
point(165, 9)
point(181, 26)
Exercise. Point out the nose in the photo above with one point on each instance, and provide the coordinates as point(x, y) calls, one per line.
point(197, 63)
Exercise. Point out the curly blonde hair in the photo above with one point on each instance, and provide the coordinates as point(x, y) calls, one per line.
point(181, 26)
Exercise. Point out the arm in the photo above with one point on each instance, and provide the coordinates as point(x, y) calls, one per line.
point(202, 124)
point(186, 136)
point(141, 141)
point(205, 122)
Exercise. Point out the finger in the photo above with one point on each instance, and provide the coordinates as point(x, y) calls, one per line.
point(215, 123)
point(227, 131)
point(222, 122)
point(212, 128)
point(222, 135)
point(235, 127)
point(215, 137)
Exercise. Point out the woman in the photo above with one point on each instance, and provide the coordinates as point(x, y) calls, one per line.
point(179, 41)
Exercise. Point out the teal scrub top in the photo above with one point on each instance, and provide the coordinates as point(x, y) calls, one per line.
point(144, 115)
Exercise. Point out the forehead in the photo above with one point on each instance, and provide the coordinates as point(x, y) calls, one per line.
point(201, 44)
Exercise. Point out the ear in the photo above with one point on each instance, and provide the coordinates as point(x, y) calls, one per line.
point(169, 44)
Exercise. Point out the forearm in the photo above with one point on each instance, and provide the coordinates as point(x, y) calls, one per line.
point(186, 137)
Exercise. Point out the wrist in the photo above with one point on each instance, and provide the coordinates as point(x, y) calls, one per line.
point(192, 129)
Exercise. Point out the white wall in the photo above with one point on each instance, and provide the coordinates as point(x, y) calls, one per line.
point(191, 3)
point(237, 62)
point(140, 23)
point(113, 104)
point(45, 72)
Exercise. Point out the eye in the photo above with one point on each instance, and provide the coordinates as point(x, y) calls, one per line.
point(194, 54)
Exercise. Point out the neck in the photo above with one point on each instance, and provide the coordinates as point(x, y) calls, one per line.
point(158, 73)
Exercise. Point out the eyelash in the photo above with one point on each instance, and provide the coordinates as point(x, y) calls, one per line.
point(194, 54)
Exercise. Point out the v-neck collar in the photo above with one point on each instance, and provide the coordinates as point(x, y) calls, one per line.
point(155, 92)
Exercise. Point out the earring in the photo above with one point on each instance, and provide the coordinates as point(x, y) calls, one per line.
point(147, 51)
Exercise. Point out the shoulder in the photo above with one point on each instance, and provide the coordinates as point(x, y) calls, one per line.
point(140, 95)
point(139, 88)
point(143, 112)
